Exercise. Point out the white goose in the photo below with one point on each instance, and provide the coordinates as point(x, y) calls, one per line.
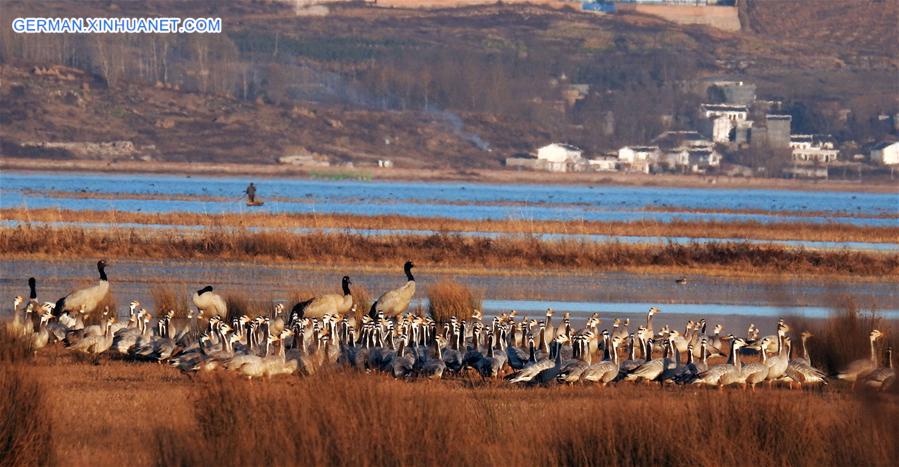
point(860, 368)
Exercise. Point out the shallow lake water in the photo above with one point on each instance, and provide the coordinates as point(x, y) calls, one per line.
point(453, 200)
point(732, 301)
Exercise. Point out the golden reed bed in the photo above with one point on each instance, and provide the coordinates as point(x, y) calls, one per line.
point(437, 250)
point(807, 231)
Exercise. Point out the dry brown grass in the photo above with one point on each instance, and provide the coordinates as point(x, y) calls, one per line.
point(440, 250)
point(13, 346)
point(26, 435)
point(748, 229)
point(240, 304)
point(344, 419)
point(362, 299)
point(843, 337)
point(449, 298)
point(170, 297)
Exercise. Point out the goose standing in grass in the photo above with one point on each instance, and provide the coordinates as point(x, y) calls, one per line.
point(632, 361)
point(801, 371)
point(692, 369)
point(653, 368)
point(777, 365)
point(210, 303)
point(96, 344)
point(862, 367)
point(606, 371)
point(490, 365)
point(712, 376)
point(16, 327)
point(550, 374)
point(328, 304)
point(884, 377)
point(755, 373)
point(395, 302)
point(86, 299)
point(40, 337)
point(433, 368)
point(528, 373)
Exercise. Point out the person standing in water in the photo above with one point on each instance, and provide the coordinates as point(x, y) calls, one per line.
point(251, 193)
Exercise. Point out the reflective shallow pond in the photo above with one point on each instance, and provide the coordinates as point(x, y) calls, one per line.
point(454, 200)
point(732, 301)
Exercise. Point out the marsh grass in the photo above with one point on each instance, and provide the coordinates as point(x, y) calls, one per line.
point(449, 298)
point(14, 347)
point(339, 418)
point(747, 229)
point(26, 435)
point(843, 337)
point(240, 304)
point(441, 250)
point(170, 297)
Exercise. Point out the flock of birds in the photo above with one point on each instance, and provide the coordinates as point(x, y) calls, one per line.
point(325, 332)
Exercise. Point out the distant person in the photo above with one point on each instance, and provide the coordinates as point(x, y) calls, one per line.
point(251, 193)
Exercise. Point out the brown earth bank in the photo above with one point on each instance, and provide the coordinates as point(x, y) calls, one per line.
point(475, 175)
point(78, 411)
point(439, 250)
point(826, 232)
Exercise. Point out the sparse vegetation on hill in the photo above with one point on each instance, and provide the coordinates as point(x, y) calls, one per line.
point(424, 88)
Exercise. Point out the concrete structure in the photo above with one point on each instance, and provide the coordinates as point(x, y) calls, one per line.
point(778, 130)
point(886, 153)
point(774, 134)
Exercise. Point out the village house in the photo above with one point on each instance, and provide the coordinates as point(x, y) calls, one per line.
point(604, 164)
point(555, 157)
point(886, 153)
point(814, 148)
point(638, 158)
point(724, 119)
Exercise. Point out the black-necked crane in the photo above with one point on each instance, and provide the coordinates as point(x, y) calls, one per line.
point(87, 299)
point(210, 303)
point(327, 304)
point(395, 302)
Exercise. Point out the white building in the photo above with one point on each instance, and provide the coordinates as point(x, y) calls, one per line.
point(604, 164)
point(886, 153)
point(813, 148)
point(560, 157)
point(632, 154)
point(725, 118)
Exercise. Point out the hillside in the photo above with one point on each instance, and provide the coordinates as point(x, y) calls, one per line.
point(462, 87)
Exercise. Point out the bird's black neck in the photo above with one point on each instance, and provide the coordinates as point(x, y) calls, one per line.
point(409, 275)
point(31, 286)
point(346, 287)
point(102, 270)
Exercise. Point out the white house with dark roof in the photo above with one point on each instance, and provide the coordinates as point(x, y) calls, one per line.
point(814, 148)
